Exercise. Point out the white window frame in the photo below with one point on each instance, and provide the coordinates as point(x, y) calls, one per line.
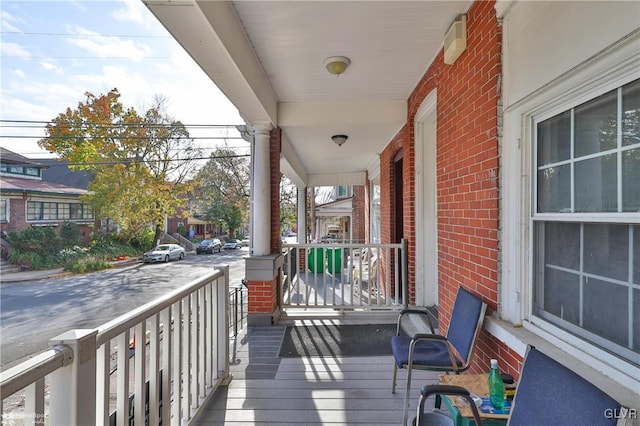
point(602, 73)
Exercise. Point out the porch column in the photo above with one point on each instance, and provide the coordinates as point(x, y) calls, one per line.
point(261, 190)
point(302, 216)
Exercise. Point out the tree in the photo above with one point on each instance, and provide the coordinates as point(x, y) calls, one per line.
point(222, 189)
point(142, 163)
point(288, 204)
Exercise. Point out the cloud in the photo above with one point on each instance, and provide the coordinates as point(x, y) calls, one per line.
point(109, 46)
point(52, 67)
point(132, 11)
point(8, 20)
point(14, 49)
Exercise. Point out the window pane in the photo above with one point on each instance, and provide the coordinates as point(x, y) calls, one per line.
point(554, 189)
point(606, 250)
point(596, 185)
point(631, 113)
point(606, 310)
point(631, 180)
point(636, 259)
point(562, 295)
point(3, 210)
point(562, 245)
point(554, 139)
point(636, 320)
point(596, 128)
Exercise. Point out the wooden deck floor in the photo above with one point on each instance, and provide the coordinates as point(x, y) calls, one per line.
point(268, 390)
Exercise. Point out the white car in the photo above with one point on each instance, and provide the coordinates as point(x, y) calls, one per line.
point(164, 253)
point(231, 244)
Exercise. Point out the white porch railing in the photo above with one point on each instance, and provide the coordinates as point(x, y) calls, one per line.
point(345, 276)
point(158, 364)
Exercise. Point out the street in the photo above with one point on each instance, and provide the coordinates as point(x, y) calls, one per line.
point(31, 313)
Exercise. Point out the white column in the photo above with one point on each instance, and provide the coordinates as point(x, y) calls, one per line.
point(302, 217)
point(261, 190)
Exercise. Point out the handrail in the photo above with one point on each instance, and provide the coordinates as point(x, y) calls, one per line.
point(22, 375)
point(113, 328)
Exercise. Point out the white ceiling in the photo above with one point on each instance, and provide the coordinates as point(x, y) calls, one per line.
point(267, 57)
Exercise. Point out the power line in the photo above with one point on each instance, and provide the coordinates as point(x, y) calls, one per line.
point(82, 35)
point(122, 124)
point(132, 161)
point(126, 137)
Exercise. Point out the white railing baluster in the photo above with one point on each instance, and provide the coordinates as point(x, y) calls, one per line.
point(194, 351)
point(103, 376)
point(139, 372)
point(176, 407)
point(209, 327)
point(167, 362)
point(202, 330)
point(34, 403)
point(153, 369)
point(122, 380)
point(186, 358)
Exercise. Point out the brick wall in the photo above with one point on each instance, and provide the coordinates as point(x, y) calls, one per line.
point(467, 173)
point(358, 203)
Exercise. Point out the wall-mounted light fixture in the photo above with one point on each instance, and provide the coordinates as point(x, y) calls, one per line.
point(336, 65)
point(339, 139)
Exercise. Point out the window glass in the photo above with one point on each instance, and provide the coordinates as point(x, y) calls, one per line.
point(3, 210)
point(49, 211)
point(554, 139)
point(631, 113)
point(554, 189)
point(606, 310)
point(606, 250)
point(64, 211)
point(596, 125)
point(34, 210)
point(631, 180)
point(596, 184)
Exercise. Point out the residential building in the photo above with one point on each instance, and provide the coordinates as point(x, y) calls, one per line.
point(28, 199)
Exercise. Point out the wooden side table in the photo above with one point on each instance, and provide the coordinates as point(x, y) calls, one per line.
point(461, 413)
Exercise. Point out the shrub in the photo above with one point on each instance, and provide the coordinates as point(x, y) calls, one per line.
point(87, 264)
point(70, 234)
point(43, 241)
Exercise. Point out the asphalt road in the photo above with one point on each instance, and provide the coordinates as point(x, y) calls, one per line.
point(33, 312)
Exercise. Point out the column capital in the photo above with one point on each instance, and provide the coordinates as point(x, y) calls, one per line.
point(261, 127)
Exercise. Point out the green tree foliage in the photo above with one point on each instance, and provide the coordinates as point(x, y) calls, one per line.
point(222, 189)
point(142, 163)
point(288, 204)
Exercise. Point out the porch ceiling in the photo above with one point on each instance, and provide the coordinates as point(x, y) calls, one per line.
point(267, 57)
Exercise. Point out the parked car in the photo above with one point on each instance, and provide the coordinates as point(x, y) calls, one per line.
point(164, 253)
point(245, 242)
point(231, 244)
point(211, 246)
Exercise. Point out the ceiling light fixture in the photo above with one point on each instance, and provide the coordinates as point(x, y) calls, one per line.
point(339, 139)
point(336, 65)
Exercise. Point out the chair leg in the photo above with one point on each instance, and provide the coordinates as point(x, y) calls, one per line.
point(405, 414)
point(395, 374)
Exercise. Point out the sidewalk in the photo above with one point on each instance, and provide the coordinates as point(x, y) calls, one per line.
point(15, 277)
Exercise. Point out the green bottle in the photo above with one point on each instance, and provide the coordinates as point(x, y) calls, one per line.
point(496, 386)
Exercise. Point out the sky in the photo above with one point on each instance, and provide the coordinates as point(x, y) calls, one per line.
point(52, 52)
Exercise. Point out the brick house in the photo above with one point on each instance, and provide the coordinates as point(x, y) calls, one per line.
point(28, 199)
point(503, 139)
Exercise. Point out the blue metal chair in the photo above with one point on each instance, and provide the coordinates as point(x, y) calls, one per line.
point(550, 394)
point(450, 353)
